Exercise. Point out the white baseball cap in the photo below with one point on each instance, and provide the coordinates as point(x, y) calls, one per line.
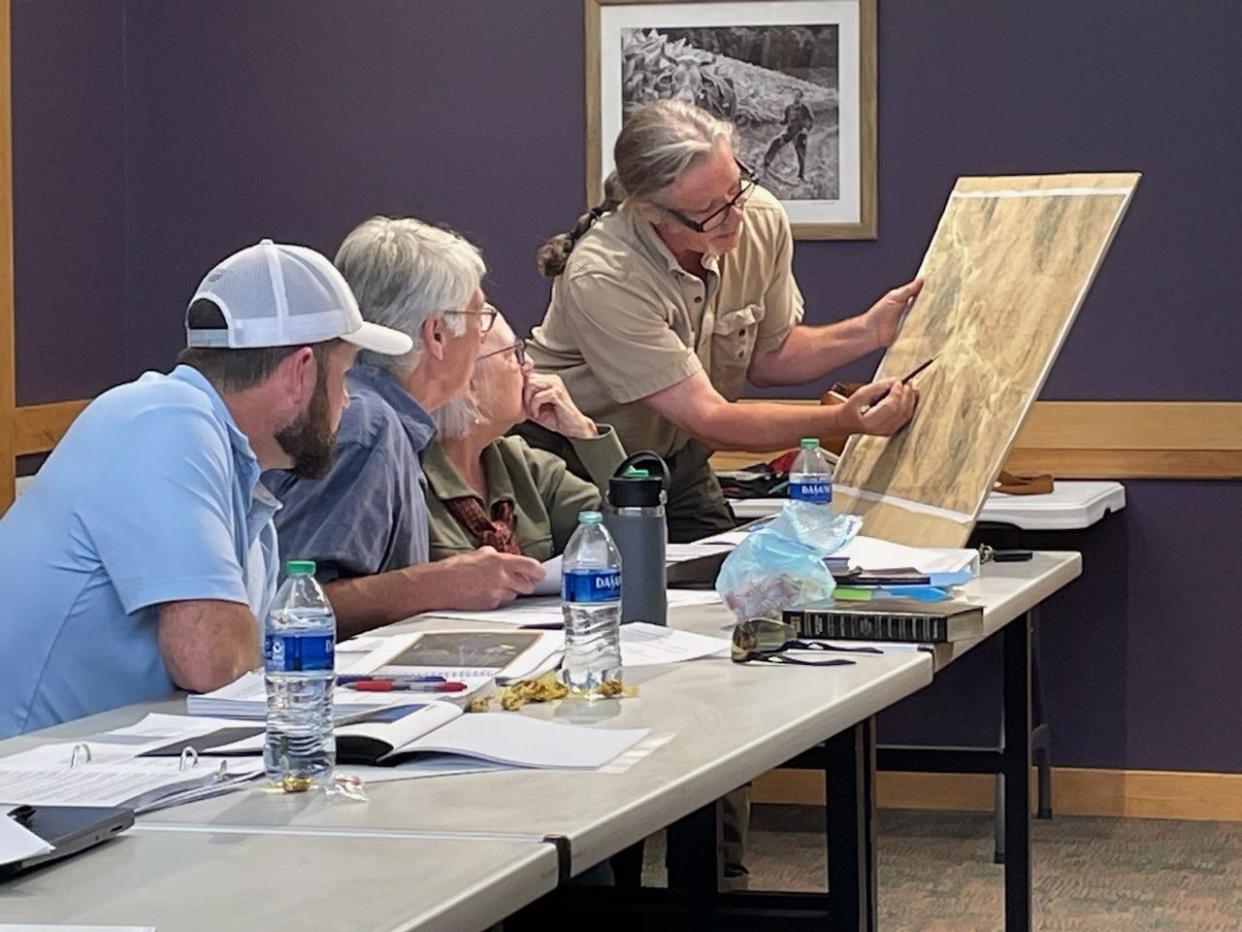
point(273, 294)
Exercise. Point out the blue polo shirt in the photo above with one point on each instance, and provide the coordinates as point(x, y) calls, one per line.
point(152, 496)
point(369, 514)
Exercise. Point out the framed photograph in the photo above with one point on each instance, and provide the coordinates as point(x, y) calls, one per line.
point(796, 77)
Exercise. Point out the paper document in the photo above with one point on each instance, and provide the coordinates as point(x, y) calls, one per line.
point(680, 553)
point(644, 645)
point(138, 786)
point(18, 842)
point(508, 738)
point(546, 610)
point(551, 582)
point(872, 554)
point(472, 654)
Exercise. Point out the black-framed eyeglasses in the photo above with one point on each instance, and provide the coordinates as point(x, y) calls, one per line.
point(767, 640)
point(746, 186)
point(517, 346)
point(487, 316)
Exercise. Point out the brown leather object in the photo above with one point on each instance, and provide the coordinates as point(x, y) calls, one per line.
point(1010, 483)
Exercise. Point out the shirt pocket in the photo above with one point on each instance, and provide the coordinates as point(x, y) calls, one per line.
point(733, 342)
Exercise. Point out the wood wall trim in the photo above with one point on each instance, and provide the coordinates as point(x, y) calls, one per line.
point(38, 428)
point(1137, 794)
point(1115, 440)
point(7, 359)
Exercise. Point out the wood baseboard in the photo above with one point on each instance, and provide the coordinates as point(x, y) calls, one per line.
point(1139, 794)
point(1112, 440)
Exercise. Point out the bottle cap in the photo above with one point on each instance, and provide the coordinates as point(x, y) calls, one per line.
point(590, 517)
point(809, 442)
point(300, 567)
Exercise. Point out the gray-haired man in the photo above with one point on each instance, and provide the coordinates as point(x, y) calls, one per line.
point(365, 523)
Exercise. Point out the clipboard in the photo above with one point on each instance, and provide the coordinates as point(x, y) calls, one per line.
point(69, 829)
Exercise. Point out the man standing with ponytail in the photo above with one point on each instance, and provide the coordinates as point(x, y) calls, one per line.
point(675, 292)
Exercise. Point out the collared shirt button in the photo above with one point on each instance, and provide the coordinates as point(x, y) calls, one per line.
point(698, 299)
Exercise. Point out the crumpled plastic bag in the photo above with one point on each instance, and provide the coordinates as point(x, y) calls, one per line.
point(781, 565)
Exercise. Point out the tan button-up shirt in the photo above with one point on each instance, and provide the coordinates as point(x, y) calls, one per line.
point(625, 320)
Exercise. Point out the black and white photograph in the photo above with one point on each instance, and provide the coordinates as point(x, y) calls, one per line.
point(776, 84)
point(795, 78)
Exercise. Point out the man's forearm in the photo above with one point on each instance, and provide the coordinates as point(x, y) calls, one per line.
point(369, 602)
point(766, 426)
point(810, 353)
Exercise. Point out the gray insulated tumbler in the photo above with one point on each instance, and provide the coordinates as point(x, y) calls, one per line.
point(635, 519)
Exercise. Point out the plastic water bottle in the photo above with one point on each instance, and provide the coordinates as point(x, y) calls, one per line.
point(299, 669)
point(810, 477)
point(591, 603)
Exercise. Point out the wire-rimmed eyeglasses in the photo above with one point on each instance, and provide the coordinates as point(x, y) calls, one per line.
point(487, 316)
point(768, 640)
point(517, 346)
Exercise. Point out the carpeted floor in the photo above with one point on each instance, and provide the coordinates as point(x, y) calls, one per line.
point(937, 874)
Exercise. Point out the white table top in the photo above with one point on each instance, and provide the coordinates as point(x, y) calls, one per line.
point(1007, 590)
point(187, 881)
point(727, 723)
point(1071, 505)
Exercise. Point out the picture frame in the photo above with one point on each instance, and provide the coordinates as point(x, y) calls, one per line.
point(797, 78)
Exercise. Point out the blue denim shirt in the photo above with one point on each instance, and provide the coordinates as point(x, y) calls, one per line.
point(369, 514)
point(152, 496)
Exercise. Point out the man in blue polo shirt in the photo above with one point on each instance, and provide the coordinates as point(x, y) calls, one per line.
point(144, 553)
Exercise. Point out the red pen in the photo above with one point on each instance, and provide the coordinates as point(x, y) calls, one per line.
point(393, 686)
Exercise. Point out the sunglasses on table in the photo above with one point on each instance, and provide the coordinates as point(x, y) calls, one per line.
point(766, 640)
point(518, 348)
point(746, 186)
point(487, 316)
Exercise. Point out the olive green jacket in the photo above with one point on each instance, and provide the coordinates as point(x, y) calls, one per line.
point(546, 496)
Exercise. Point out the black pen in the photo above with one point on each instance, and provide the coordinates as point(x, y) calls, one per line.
point(904, 381)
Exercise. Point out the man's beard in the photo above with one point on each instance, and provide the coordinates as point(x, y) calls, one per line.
point(309, 440)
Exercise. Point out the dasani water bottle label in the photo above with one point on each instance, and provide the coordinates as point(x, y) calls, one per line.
point(298, 653)
point(810, 490)
point(603, 585)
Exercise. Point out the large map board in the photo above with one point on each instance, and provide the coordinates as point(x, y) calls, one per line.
point(1007, 269)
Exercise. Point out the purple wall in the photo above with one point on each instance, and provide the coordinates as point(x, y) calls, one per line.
point(68, 197)
point(152, 139)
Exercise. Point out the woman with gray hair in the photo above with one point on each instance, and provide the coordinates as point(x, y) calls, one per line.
point(365, 523)
point(487, 489)
point(677, 290)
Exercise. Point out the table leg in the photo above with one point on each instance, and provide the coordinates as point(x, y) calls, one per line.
point(1016, 772)
point(849, 768)
point(691, 843)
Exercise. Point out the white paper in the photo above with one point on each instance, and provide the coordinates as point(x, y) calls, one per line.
point(679, 553)
point(870, 553)
point(729, 538)
point(644, 645)
point(546, 610)
point(521, 741)
point(551, 582)
point(534, 610)
point(18, 842)
point(91, 784)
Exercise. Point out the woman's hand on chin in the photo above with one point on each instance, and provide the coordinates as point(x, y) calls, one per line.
point(548, 404)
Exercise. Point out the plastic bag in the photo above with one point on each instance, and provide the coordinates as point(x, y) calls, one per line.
point(781, 565)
